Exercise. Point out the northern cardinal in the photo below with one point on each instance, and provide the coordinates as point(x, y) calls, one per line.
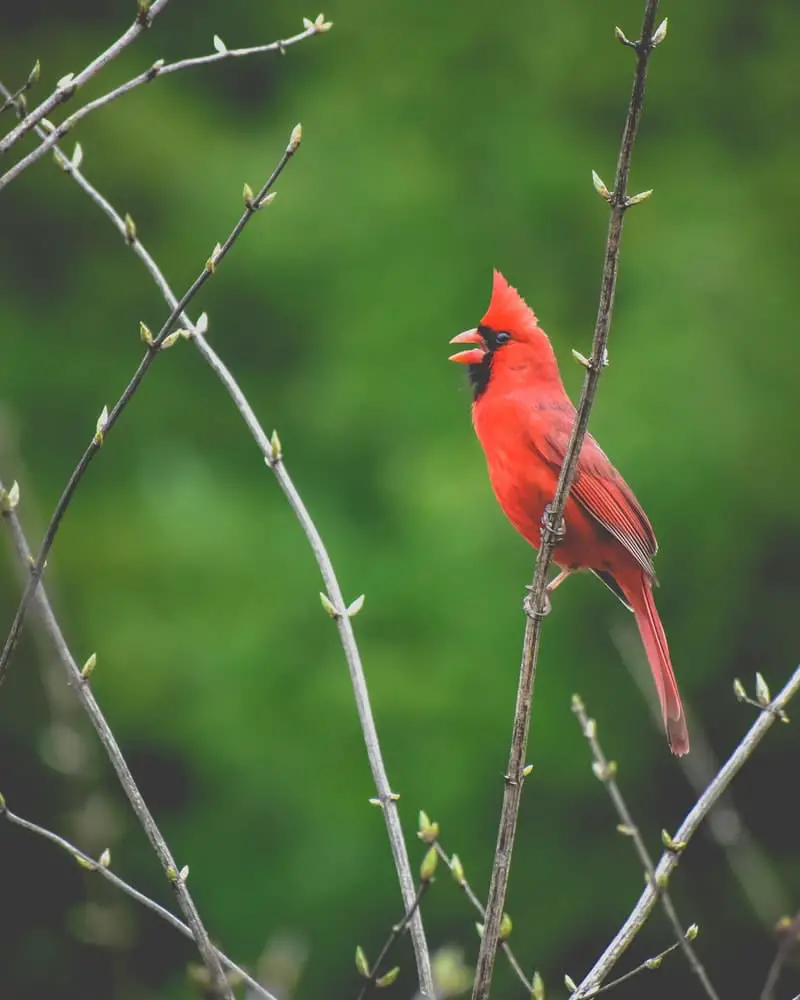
point(523, 418)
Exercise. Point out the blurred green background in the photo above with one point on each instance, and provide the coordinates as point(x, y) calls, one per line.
point(439, 140)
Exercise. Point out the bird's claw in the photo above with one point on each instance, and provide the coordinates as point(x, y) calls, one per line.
point(555, 531)
point(528, 605)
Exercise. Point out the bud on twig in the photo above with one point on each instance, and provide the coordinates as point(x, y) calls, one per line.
point(355, 607)
point(637, 199)
point(105, 858)
point(328, 605)
point(276, 447)
point(388, 978)
point(295, 139)
point(211, 263)
point(220, 46)
point(428, 867)
point(692, 932)
point(763, 696)
point(201, 326)
point(457, 869)
point(505, 927)
point(9, 499)
point(102, 423)
point(739, 691)
point(600, 187)
point(88, 667)
point(660, 33)
point(676, 846)
point(130, 229)
point(361, 962)
point(428, 831)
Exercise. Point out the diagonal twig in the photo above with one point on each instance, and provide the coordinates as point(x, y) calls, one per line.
point(371, 976)
point(108, 419)
point(749, 862)
point(669, 859)
point(605, 771)
point(789, 929)
point(159, 68)
point(79, 679)
point(647, 964)
point(90, 864)
point(552, 522)
point(386, 797)
point(147, 12)
point(429, 833)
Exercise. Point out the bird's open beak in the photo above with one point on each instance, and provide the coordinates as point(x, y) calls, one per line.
point(471, 357)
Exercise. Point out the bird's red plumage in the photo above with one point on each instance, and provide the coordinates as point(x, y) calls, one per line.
point(523, 418)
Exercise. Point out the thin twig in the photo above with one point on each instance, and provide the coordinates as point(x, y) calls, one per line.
point(68, 86)
point(107, 420)
point(90, 864)
point(605, 771)
point(789, 929)
point(158, 68)
point(386, 797)
point(669, 859)
point(372, 978)
point(457, 870)
point(649, 964)
point(553, 519)
point(80, 682)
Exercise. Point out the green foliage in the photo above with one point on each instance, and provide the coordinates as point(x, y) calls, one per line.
point(439, 141)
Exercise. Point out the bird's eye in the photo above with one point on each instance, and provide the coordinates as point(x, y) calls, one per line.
point(502, 337)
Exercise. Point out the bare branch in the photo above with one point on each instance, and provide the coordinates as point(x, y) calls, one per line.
point(552, 523)
point(90, 864)
point(669, 859)
point(386, 797)
point(80, 682)
point(68, 85)
point(749, 862)
point(108, 419)
point(605, 771)
point(159, 68)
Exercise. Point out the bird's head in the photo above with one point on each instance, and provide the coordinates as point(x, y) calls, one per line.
point(508, 344)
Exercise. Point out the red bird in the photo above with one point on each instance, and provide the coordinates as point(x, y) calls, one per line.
point(523, 418)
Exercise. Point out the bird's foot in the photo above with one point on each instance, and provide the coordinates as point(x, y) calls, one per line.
point(555, 531)
point(528, 606)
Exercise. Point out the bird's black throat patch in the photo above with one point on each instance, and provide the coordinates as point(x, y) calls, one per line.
point(480, 374)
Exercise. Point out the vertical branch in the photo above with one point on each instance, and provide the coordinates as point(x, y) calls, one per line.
point(552, 522)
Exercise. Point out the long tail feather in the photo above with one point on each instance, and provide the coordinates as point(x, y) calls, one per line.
point(655, 644)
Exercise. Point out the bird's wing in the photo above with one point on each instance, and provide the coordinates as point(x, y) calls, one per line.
point(598, 487)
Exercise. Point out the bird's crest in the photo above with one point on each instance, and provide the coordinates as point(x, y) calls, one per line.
point(508, 310)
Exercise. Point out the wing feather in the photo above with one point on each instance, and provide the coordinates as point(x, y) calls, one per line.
point(599, 488)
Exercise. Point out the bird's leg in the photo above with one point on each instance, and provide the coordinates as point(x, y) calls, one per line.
point(558, 580)
point(555, 531)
